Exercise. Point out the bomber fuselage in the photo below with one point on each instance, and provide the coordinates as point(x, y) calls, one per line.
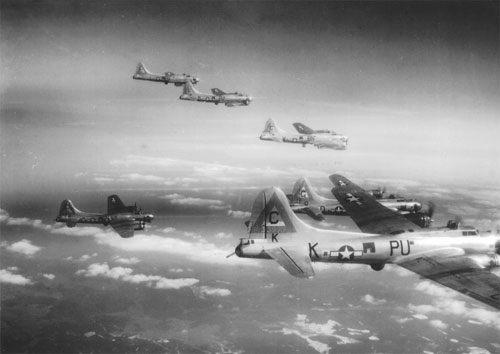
point(378, 250)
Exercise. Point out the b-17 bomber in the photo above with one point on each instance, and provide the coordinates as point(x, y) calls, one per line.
point(318, 138)
point(461, 259)
point(305, 200)
point(217, 96)
point(142, 73)
point(123, 219)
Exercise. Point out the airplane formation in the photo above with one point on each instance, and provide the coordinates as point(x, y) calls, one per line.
point(189, 92)
point(393, 230)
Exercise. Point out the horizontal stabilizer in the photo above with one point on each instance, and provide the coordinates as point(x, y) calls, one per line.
point(296, 263)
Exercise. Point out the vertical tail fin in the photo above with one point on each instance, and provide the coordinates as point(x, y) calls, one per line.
point(68, 209)
point(142, 70)
point(115, 205)
point(303, 192)
point(272, 215)
point(272, 132)
point(189, 89)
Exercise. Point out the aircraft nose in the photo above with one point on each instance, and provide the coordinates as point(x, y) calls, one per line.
point(238, 251)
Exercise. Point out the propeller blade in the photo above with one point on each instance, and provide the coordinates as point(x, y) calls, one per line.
point(230, 255)
point(432, 208)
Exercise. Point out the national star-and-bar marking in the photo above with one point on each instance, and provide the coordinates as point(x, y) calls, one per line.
point(353, 199)
point(346, 252)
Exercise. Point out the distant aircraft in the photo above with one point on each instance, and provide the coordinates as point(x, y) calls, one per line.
point(459, 259)
point(218, 96)
point(123, 219)
point(322, 139)
point(305, 200)
point(142, 73)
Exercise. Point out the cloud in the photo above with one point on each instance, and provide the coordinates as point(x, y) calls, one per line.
point(238, 214)
point(49, 276)
point(447, 304)
point(203, 291)
point(24, 247)
point(176, 270)
point(168, 229)
point(80, 231)
point(371, 300)
point(136, 177)
point(11, 221)
point(198, 250)
point(435, 290)
point(86, 257)
point(438, 324)
point(223, 235)
point(213, 204)
point(126, 275)
point(129, 261)
point(7, 276)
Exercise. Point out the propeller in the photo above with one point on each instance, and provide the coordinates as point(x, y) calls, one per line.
point(231, 254)
point(431, 209)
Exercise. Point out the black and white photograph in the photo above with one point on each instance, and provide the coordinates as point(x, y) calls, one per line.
point(249, 176)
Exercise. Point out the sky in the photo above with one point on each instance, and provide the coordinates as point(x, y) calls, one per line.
point(413, 84)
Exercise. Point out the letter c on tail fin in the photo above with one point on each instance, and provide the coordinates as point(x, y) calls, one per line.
point(272, 215)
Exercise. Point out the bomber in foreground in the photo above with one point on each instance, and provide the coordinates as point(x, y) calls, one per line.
point(142, 73)
point(123, 219)
point(460, 259)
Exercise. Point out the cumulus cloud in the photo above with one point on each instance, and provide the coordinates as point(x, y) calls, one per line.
point(24, 247)
point(223, 235)
point(438, 324)
point(447, 304)
point(126, 275)
point(238, 214)
point(213, 204)
point(435, 290)
point(371, 300)
point(49, 276)
point(176, 270)
point(6, 276)
point(203, 291)
point(136, 177)
point(86, 257)
point(129, 261)
point(168, 229)
point(12, 221)
point(205, 251)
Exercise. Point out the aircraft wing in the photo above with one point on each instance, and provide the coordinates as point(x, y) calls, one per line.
point(313, 211)
point(296, 263)
point(303, 129)
point(123, 226)
point(368, 214)
point(458, 272)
